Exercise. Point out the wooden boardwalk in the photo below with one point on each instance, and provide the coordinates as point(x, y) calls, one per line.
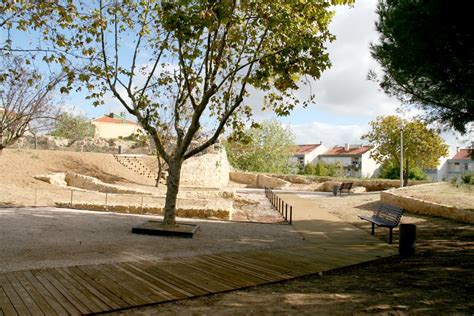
point(90, 289)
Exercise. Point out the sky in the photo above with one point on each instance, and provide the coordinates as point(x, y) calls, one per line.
point(345, 100)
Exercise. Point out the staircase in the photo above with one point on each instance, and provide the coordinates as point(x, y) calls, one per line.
point(135, 164)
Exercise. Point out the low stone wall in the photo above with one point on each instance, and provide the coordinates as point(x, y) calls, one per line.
point(94, 184)
point(419, 206)
point(225, 214)
point(255, 180)
point(313, 183)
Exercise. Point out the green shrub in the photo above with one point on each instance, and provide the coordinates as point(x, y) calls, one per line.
point(324, 169)
point(390, 170)
point(468, 178)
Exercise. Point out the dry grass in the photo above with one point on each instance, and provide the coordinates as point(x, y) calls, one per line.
point(443, 193)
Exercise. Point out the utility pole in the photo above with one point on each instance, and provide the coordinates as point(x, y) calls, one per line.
point(401, 156)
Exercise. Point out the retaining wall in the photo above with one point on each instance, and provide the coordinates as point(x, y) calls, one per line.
point(225, 214)
point(419, 206)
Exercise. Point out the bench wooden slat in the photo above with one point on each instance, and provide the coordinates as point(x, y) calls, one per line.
point(385, 216)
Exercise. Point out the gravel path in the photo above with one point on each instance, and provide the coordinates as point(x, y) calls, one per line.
point(50, 237)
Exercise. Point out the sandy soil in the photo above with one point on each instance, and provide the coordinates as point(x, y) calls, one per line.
point(48, 237)
point(438, 280)
point(443, 193)
point(19, 188)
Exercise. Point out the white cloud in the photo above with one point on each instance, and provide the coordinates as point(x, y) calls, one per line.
point(329, 134)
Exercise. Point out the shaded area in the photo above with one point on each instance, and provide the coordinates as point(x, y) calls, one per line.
point(439, 279)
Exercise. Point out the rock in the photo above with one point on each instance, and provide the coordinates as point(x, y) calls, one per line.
point(58, 179)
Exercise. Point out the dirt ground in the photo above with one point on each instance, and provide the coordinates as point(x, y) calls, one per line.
point(444, 193)
point(438, 280)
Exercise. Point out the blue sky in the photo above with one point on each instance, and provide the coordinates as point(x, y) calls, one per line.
point(345, 100)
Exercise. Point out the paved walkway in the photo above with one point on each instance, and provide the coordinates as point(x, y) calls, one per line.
point(88, 289)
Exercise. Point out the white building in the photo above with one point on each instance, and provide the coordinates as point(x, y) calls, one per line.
point(460, 164)
point(354, 158)
point(307, 154)
point(114, 126)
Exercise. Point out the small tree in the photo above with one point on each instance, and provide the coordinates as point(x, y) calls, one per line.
point(192, 64)
point(73, 127)
point(266, 148)
point(25, 101)
point(422, 147)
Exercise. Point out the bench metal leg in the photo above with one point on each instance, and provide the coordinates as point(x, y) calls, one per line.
point(373, 228)
point(390, 238)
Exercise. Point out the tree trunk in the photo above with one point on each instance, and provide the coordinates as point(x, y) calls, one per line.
point(160, 170)
point(405, 175)
point(172, 186)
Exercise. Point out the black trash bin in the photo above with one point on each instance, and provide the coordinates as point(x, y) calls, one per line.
point(407, 241)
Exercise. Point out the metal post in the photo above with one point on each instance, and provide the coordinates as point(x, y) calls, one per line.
point(106, 200)
point(401, 156)
point(291, 214)
point(286, 211)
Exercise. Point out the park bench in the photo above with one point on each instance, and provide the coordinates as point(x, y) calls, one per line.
point(385, 216)
point(344, 187)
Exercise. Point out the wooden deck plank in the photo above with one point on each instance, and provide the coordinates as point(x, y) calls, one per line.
point(283, 272)
point(5, 304)
point(240, 262)
point(103, 278)
point(177, 282)
point(224, 280)
point(80, 291)
point(49, 276)
point(196, 277)
point(35, 294)
point(30, 304)
point(98, 296)
point(240, 267)
point(168, 289)
point(114, 301)
point(128, 281)
point(13, 296)
point(156, 293)
point(225, 272)
point(45, 293)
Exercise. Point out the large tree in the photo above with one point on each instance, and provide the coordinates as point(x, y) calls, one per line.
point(25, 100)
point(422, 147)
point(264, 148)
point(427, 57)
point(191, 64)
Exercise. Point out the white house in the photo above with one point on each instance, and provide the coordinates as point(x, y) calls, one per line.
point(114, 125)
point(354, 158)
point(307, 154)
point(461, 163)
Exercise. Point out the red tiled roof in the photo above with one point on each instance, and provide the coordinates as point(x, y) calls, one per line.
point(463, 154)
point(341, 151)
point(305, 149)
point(107, 119)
